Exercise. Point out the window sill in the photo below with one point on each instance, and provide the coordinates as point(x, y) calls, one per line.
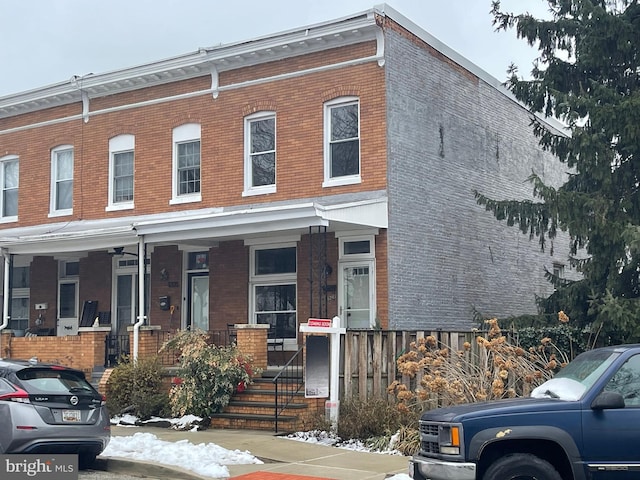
point(340, 181)
point(185, 199)
point(118, 207)
point(8, 219)
point(60, 213)
point(259, 191)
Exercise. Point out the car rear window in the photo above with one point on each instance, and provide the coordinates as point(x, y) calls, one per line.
point(52, 381)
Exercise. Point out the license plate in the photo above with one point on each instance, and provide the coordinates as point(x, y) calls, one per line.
point(71, 416)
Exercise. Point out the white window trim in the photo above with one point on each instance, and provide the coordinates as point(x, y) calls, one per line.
point(371, 263)
point(249, 189)
point(354, 260)
point(277, 279)
point(358, 256)
point(189, 132)
point(53, 212)
point(3, 161)
point(119, 144)
point(70, 281)
point(347, 179)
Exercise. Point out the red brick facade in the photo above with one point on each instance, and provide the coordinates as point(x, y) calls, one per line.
point(278, 86)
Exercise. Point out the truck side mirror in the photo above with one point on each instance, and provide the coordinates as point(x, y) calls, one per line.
point(608, 400)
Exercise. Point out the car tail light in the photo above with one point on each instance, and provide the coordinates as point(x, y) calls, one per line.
point(19, 396)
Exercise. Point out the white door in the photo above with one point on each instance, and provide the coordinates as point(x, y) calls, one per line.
point(356, 295)
point(199, 301)
point(126, 284)
point(67, 308)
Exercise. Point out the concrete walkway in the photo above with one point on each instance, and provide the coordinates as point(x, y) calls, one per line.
point(280, 456)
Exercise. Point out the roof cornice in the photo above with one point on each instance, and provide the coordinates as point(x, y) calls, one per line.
point(205, 61)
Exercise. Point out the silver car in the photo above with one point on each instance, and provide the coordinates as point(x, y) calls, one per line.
point(51, 409)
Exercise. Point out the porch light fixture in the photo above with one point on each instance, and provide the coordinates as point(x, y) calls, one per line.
point(120, 251)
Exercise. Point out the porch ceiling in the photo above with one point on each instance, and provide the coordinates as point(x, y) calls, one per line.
point(212, 224)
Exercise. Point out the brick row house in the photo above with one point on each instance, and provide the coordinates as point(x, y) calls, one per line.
point(327, 170)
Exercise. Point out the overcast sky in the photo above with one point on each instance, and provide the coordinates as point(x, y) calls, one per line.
point(47, 41)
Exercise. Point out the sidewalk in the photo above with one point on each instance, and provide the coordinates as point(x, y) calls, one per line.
point(282, 457)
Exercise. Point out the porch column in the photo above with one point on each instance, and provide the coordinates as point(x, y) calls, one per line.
point(252, 340)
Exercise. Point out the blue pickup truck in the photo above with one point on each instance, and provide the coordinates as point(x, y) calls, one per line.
point(583, 424)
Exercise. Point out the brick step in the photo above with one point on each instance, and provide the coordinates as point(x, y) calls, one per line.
point(262, 395)
point(241, 421)
point(260, 408)
point(268, 383)
point(259, 404)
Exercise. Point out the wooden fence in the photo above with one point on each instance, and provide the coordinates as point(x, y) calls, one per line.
point(369, 358)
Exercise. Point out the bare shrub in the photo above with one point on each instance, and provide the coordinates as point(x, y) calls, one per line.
point(494, 369)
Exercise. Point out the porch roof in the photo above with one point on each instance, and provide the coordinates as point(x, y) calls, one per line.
point(210, 224)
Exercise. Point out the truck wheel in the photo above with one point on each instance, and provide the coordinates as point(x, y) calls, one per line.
point(521, 466)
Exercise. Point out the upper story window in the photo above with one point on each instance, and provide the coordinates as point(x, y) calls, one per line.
point(186, 164)
point(9, 178)
point(260, 153)
point(342, 142)
point(121, 155)
point(61, 181)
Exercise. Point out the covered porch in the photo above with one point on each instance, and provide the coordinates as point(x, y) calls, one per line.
point(210, 269)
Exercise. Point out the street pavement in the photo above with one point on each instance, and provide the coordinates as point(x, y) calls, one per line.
point(280, 455)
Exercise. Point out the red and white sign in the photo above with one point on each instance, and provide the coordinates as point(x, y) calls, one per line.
point(319, 322)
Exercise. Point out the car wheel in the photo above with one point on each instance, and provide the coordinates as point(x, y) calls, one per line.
point(521, 466)
point(85, 460)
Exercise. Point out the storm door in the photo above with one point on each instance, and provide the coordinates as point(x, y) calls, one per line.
point(356, 295)
point(199, 301)
point(356, 282)
point(197, 297)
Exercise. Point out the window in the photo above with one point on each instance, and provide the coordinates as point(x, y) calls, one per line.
point(121, 156)
point(260, 154)
point(186, 164)
point(198, 260)
point(274, 289)
point(9, 176)
point(626, 382)
point(62, 181)
point(342, 142)
point(19, 314)
point(558, 270)
point(68, 306)
point(68, 272)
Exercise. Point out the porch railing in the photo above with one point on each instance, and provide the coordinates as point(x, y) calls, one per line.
point(169, 357)
point(287, 383)
point(115, 346)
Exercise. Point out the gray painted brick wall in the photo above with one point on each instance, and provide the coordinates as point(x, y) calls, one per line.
point(449, 134)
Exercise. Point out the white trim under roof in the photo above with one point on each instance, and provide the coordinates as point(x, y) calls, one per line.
point(208, 61)
point(211, 224)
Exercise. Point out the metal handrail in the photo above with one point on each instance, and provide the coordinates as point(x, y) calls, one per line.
point(289, 379)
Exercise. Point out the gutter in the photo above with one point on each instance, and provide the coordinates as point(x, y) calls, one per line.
point(5, 295)
point(141, 296)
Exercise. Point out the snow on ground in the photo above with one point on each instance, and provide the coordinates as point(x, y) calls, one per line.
point(328, 438)
point(206, 459)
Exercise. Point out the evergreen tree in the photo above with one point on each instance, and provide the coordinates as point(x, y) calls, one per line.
point(587, 75)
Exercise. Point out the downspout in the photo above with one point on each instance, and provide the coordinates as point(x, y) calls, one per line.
point(141, 295)
point(5, 294)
